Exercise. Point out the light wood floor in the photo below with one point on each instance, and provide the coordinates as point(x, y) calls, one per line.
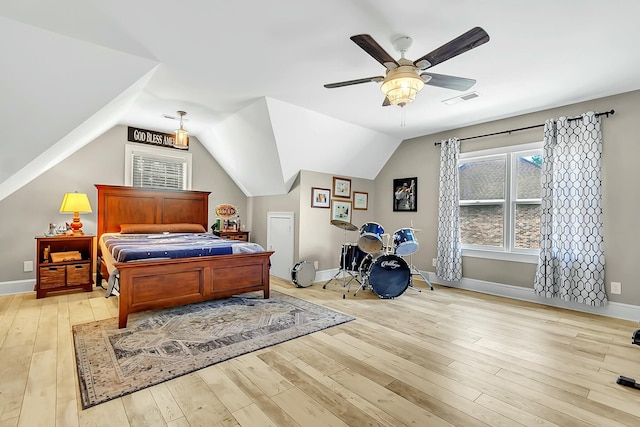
point(442, 357)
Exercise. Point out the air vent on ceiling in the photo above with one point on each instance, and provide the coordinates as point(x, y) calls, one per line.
point(460, 98)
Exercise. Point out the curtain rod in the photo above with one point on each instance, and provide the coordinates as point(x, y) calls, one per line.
point(606, 114)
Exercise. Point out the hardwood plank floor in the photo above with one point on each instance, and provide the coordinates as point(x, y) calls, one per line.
point(444, 357)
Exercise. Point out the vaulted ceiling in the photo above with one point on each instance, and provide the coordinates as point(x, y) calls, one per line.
point(250, 75)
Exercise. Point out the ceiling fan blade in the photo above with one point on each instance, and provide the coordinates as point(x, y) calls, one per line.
point(386, 102)
point(467, 41)
point(369, 45)
point(375, 79)
point(448, 82)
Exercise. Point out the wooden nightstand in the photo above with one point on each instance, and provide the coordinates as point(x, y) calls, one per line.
point(63, 275)
point(233, 235)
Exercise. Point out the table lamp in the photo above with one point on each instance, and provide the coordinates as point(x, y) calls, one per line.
point(76, 203)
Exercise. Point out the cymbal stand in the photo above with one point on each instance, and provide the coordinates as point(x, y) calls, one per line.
point(414, 271)
point(343, 270)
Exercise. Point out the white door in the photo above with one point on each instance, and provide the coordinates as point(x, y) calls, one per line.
point(280, 238)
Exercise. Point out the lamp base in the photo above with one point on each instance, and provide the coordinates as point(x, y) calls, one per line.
point(76, 225)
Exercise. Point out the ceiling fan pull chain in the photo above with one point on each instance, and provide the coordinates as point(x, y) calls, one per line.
point(402, 117)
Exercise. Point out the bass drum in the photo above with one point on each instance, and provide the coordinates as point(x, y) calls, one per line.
point(303, 274)
point(388, 275)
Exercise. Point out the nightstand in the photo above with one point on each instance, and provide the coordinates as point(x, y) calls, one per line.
point(65, 274)
point(233, 235)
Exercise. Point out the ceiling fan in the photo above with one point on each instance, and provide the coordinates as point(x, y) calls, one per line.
point(405, 78)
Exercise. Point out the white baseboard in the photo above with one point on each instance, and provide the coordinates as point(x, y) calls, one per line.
point(17, 287)
point(612, 309)
point(324, 275)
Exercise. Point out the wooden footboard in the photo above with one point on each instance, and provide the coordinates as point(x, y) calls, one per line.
point(151, 285)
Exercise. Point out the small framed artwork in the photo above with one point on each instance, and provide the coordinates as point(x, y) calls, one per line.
point(360, 200)
point(320, 197)
point(341, 211)
point(405, 195)
point(341, 187)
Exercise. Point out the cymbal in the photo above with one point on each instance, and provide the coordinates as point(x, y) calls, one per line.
point(344, 225)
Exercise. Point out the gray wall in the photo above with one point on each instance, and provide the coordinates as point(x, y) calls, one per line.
point(319, 239)
point(261, 205)
point(316, 239)
point(419, 157)
point(28, 211)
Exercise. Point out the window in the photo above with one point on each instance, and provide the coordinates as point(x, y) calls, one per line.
point(151, 167)
point(500, 192)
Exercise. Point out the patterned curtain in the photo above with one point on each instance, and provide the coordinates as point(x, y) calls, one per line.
point(449, 260)
point(571, 263)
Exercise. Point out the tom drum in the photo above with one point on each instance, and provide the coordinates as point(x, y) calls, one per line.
point(351, 256)
point(370, 239)
point(404, 242)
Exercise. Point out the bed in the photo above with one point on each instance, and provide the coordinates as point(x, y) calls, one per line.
point(160, 283)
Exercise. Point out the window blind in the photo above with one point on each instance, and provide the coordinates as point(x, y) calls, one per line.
point(149, 171)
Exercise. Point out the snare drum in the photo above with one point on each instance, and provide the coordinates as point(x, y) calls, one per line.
point(404, 242)
point(351, 256)
point(388, 275)
point(370, 239)
point(303, 274)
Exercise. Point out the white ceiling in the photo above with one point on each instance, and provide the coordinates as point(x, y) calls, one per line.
point(73, 68)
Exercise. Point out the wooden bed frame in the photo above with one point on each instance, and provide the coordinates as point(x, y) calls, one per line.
point(147, 285)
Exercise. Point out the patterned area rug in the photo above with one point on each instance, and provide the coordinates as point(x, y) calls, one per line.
point(159, 345)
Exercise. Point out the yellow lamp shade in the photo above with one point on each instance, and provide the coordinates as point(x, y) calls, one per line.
point(75, 203)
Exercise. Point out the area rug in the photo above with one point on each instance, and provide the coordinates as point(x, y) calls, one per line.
point(159, 345)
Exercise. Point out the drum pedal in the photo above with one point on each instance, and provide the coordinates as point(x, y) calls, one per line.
point(627, 382)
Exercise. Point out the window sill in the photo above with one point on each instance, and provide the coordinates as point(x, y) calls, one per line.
point(500, 255)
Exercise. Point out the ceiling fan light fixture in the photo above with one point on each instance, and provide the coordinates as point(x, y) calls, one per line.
point(182, 136)
point(402, 85)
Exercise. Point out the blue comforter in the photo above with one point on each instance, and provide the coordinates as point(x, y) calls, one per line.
point(131, 247)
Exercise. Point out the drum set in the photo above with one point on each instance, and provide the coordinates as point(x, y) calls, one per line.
point(376, 260)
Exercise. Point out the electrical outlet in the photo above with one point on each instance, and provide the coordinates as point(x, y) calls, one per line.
point(616, 288)
point(28, 266)
point(315, 264)
point(433, 262)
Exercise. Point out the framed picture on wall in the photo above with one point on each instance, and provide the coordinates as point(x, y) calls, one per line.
point(340, 211)
point(341, 187)
point(405, 195)
point(320, 197)
point(360, 200)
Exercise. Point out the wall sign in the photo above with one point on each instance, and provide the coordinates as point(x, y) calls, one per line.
point(151, 137)
point(226, 211)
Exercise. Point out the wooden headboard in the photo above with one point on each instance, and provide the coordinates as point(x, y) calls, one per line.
point(130, 205)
